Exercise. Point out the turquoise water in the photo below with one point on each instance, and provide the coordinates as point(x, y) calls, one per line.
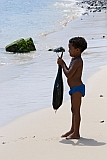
point(25, 18)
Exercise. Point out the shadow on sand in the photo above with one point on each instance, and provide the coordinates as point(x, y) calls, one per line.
point(82, 142)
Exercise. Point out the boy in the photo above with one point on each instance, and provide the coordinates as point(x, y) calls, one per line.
point(77, 89)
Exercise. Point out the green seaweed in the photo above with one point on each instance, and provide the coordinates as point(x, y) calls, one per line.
point(21, 46)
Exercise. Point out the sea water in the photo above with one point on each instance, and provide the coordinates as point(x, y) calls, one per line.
point(26, 80)
point(25, 18)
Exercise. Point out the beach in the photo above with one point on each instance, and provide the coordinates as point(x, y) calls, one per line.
point(37, 135)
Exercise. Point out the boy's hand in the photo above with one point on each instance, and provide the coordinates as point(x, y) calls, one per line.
point(60, 61)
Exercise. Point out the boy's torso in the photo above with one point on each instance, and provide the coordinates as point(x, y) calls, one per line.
point(75, 80)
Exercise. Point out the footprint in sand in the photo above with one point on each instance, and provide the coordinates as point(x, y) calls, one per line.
point(22, 138)
point(52, 139)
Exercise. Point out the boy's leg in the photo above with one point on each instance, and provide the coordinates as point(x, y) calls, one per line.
point(71, 130)
point(76, 103)
point(72, 124)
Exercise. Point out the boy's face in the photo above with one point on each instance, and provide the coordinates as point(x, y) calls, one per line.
point(74, 52)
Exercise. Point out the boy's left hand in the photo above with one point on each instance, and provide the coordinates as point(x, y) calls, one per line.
point(60, 61)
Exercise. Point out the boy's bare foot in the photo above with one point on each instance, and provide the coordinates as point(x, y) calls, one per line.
point(73, 136)
point(66, 134)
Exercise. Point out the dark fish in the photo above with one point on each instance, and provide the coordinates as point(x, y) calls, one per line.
point(58, 90)
point(59, 49)
point(58, 85)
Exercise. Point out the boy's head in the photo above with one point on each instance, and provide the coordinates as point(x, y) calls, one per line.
point(78, 43)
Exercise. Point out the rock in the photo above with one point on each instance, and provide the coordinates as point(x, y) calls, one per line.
point(101, 95)
point(21, 46)
point(50, 49)
point(94, 5)
point(102, 121)
point(86, 13)
point(104, 7)
point(30, 44)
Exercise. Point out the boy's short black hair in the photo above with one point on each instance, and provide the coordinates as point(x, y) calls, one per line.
point(79, 42)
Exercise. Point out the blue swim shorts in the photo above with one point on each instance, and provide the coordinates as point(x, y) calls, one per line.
point(80, 89)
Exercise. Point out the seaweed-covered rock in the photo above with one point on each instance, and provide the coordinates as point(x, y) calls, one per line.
point(21, 46)
point(30, 44)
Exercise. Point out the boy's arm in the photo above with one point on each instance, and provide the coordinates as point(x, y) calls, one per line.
point(61, 62)
point(69, 72)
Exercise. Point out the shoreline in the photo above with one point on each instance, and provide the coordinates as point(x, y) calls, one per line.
point(37, 135)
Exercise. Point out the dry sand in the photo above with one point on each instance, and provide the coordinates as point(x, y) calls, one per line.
point(36, 136)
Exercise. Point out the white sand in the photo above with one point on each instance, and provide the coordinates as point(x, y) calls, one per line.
point(36, 136)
